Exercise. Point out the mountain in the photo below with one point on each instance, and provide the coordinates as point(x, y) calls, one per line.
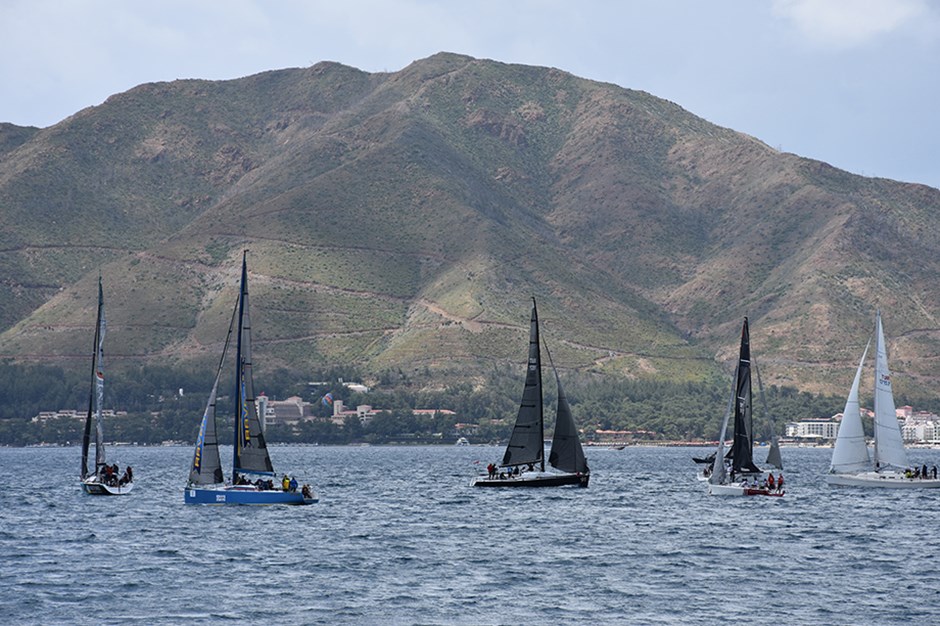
point(403, 220)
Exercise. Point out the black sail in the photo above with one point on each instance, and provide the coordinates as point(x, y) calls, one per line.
point(742, 445)
point(526, 442)
point(566, 454)
point(251, 451)
point(95, 395)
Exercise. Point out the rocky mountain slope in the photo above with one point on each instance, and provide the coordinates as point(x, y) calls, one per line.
point(404, 220)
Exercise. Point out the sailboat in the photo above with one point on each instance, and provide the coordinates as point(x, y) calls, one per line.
point(523, 463)
point(851, 464)
point(742, 477)
point(253, 478)
point(104, 480)
point(774, 458)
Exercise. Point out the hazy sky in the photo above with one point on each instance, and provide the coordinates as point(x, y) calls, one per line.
point(855, 83)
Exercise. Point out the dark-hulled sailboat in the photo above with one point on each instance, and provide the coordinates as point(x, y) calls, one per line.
point(253, 478)
point(105, 479)
point(523, 463)
point(742, 477)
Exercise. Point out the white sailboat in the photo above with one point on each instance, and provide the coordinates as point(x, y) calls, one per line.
point(741, 477)
point(888, 467)
point(104, 480)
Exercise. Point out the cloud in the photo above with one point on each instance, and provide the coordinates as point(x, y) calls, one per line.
point(850, 23)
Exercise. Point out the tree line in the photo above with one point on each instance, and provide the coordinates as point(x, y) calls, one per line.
point(166, 403)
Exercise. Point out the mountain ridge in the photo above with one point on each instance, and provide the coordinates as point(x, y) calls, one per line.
point(403, 220)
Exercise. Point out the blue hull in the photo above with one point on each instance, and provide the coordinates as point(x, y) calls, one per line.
point(230, 495)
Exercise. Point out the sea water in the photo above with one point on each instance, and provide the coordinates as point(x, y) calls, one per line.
point(399, 537)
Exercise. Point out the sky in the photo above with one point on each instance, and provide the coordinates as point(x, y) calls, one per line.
point(854, 83)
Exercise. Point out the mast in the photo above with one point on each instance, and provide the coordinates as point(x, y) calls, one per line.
point(239, 419)
point(538, 371)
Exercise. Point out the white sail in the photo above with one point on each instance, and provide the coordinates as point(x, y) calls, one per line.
point(851, 452)
point(889, 448)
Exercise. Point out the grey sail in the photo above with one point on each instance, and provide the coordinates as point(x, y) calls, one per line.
point(251, 451)
point(773, 456)
point(718, 474)
point(206, 468)
point(526, 442)
point(566, 453)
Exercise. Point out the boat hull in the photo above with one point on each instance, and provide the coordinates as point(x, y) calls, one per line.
point(236, 495)
point(883, 480)
point(533, 479)
point(738, 489)
point(93, 487)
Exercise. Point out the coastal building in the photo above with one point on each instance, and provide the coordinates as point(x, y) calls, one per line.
point(815, 428)
point(45, 416)
point(916, 426)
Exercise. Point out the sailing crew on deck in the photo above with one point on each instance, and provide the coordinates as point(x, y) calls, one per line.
point(285, 483)
point(771, 483)
point(780, 482)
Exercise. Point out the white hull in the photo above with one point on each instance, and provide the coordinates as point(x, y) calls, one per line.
point(739, 489)
point(884, 480)
point(725, 490)
point(93, 486)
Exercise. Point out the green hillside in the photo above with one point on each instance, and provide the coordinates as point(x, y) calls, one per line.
point(403, 221)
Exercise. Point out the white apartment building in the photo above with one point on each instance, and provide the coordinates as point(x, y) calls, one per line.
point(814, 428)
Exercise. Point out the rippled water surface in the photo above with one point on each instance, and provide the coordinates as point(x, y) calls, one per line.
point(399, 537)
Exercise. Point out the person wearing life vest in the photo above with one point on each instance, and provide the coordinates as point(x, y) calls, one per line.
point(770, 482)
point(780, 482)
point(285, 483)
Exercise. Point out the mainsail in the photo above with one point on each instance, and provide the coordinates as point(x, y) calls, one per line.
point(889, 447)
point(96, 395)
point(850, 453)
point(251, 452)
point(742, 444)
point(526, 442)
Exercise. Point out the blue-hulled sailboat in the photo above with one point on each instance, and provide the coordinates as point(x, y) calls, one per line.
point(253, 478)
